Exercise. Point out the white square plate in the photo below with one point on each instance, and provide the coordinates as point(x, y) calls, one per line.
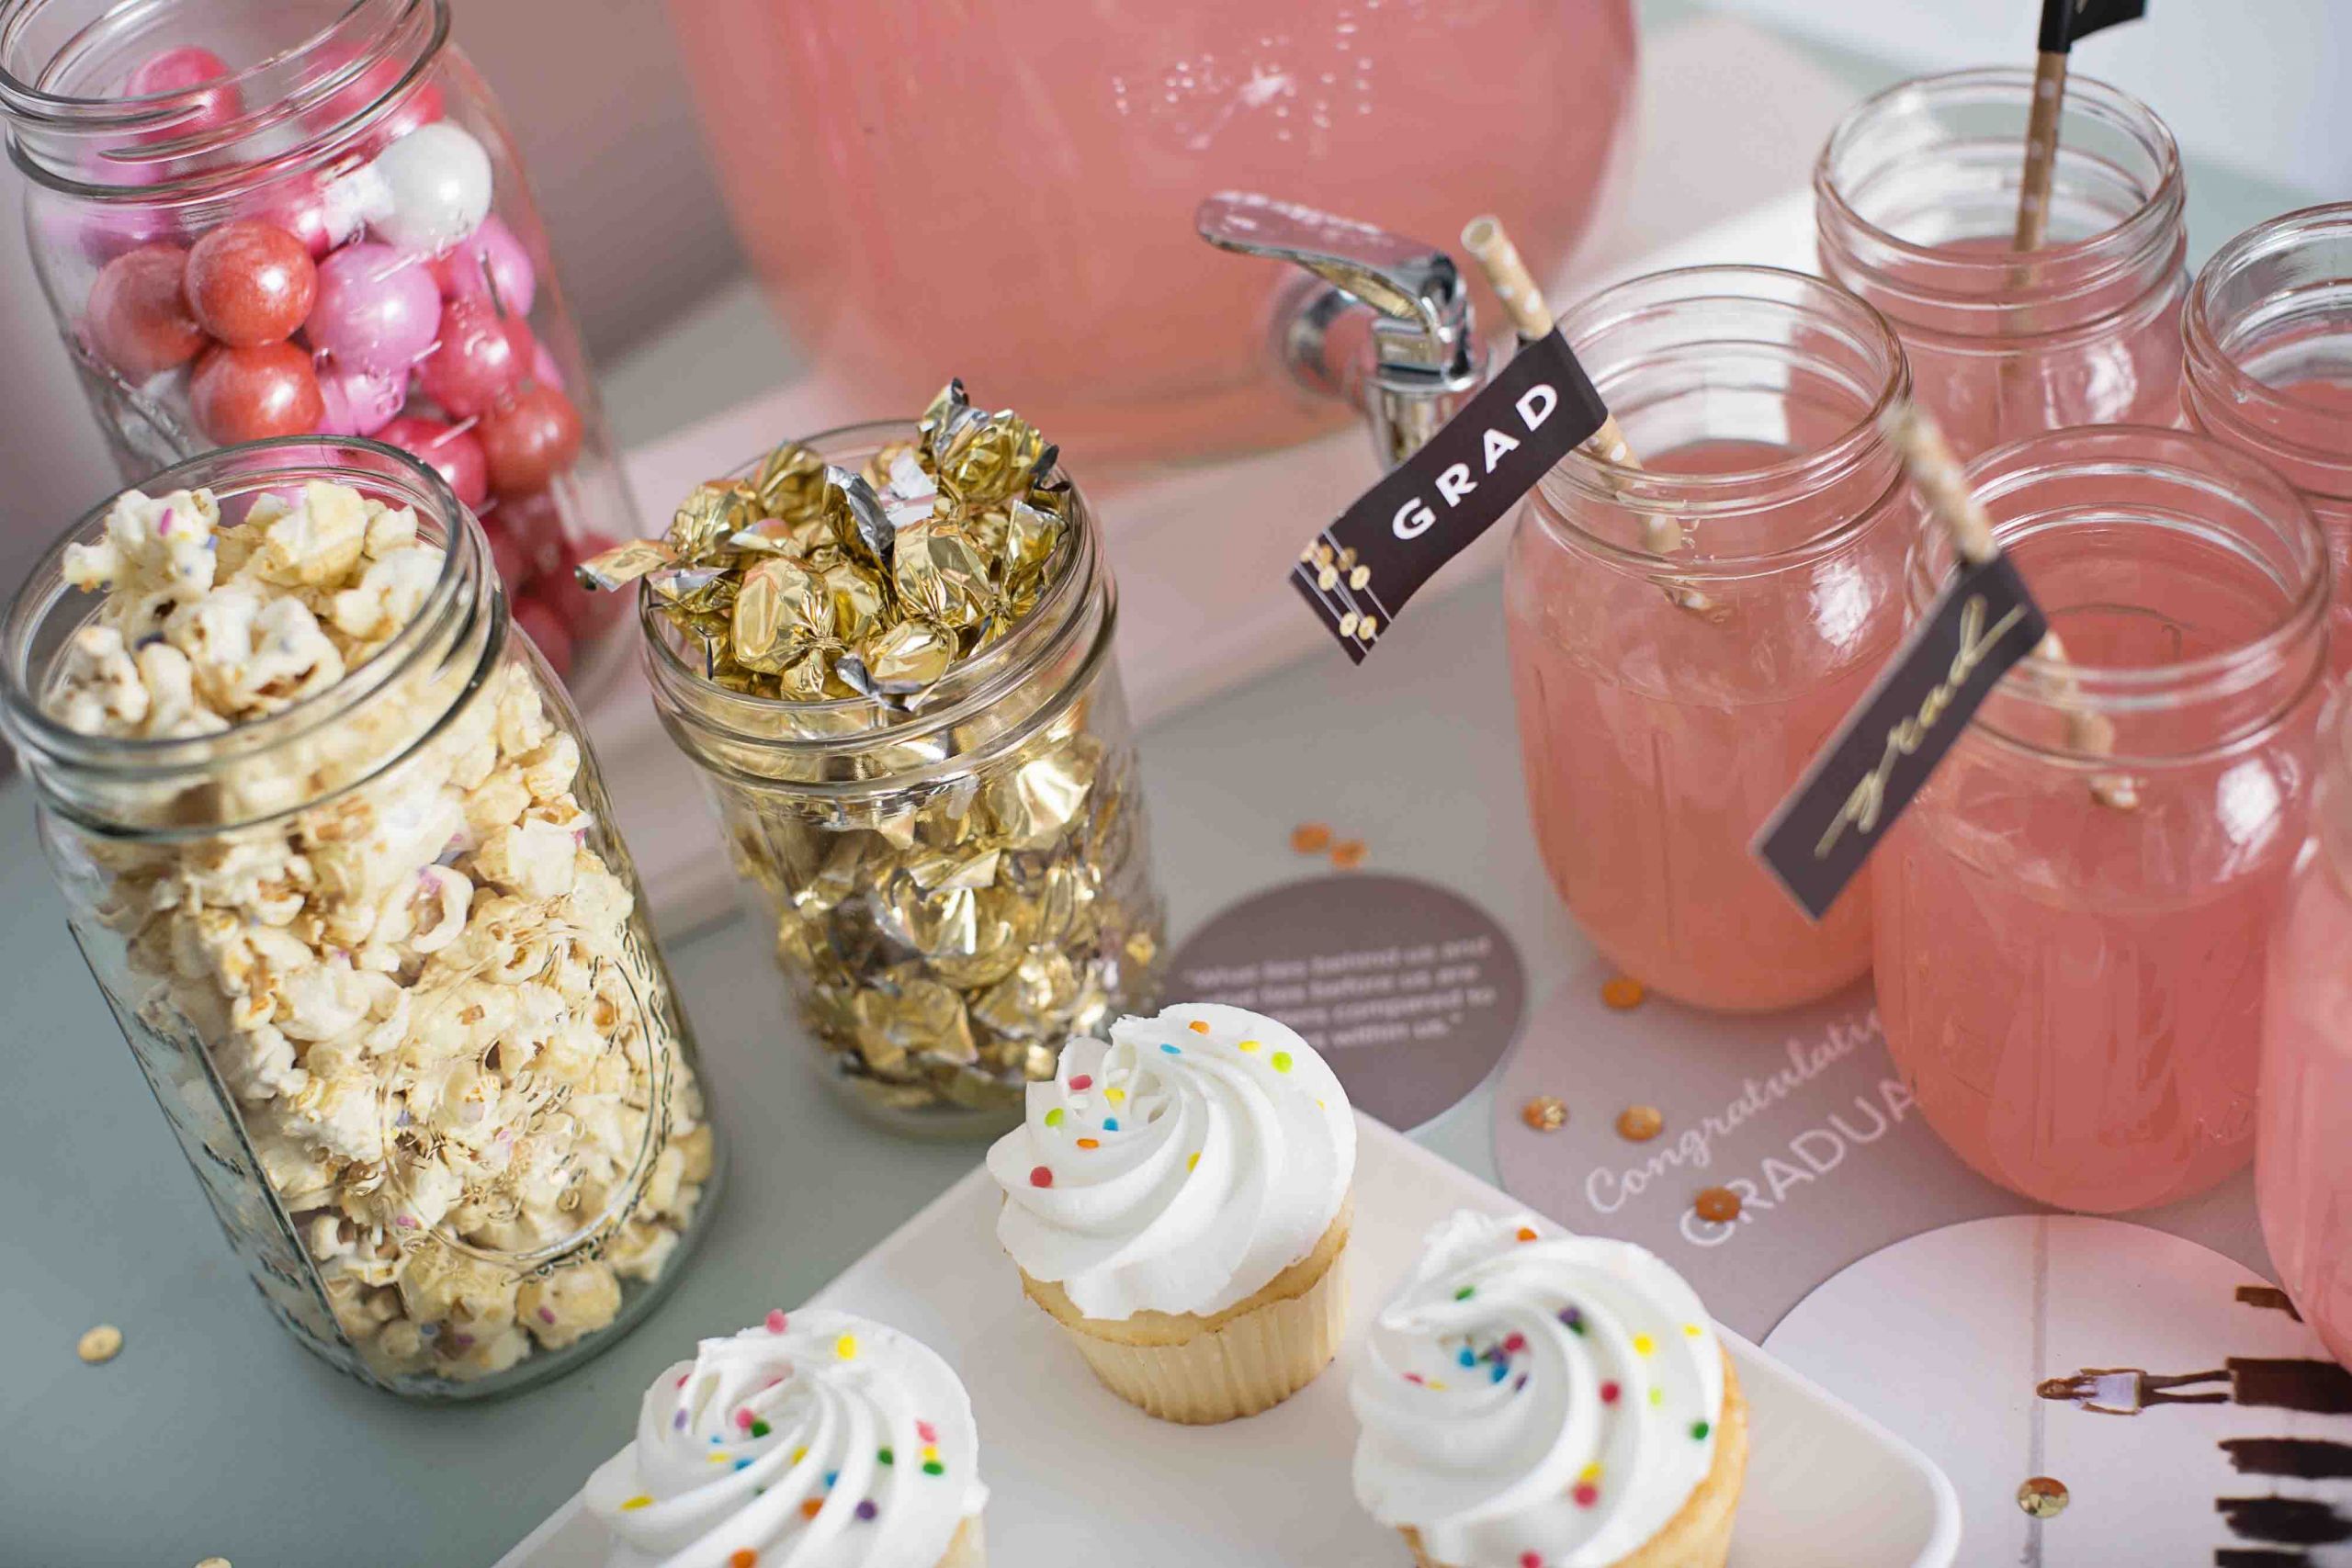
point(1074, 1473)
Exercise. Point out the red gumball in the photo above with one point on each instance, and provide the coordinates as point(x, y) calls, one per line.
point(508, 554)
point(479, 358)
point(454, 453)
point(529, 439)
point(587, 611)
point(540, 619)
point(138, 320)
point(178, 71)
point(536, 522)
point(250, 283)
point(245, 394)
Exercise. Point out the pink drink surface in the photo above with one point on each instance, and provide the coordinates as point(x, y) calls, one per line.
point(1006, 192)
point(2074, 992)
point(1653, 755)
point(2040, 376)
point(2303, 1151)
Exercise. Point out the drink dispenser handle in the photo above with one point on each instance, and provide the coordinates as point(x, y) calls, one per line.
point(1417, 364)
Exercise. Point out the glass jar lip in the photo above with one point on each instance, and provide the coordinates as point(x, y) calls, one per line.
point(2206, 355)
point(2133, 688)
point(44, 588)
point(1595, 478)
point(2157, 211)
point(988, 670)
point(285, 86)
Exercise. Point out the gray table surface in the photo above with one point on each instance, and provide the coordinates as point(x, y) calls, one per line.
point(212, 1435)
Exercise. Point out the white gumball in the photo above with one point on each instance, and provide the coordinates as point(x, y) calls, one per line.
point(434, 187)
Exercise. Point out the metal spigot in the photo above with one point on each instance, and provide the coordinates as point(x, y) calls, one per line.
point(1419, 362)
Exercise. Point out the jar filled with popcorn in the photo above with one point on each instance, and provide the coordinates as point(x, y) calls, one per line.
point(309, 218)
point(342, 864)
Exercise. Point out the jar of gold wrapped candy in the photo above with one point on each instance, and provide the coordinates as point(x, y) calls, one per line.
point(343, 866)
point(888, 647)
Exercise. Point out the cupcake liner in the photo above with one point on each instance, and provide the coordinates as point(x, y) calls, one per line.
point(1699, 1536)
point(968, 1547)
point(1199, 1371)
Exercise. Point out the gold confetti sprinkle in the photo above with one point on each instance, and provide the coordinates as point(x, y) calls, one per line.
point(1367, 626)
point(1348, 854)
point(1545, 1113)
point(1623, 992)
point(1718, 1206)
point(1359, 577)
point(1348, 620)
point(1310, 838)
point(2043, 1496)
point(1639, 1124)
point(103, 1342)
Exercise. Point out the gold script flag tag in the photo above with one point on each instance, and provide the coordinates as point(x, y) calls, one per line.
point(1983, 622)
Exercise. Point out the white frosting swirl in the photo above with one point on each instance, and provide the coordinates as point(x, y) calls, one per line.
point(1533, 1392)
point(1179, 1167)
point(820, 1440)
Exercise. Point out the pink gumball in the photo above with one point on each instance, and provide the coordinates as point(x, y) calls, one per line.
point(179, 72)
point(543, 368)
point(489, 261)
point(323, 211)
point(359, 403)
point(482, 357)
point(377, 310)
point(454, 453)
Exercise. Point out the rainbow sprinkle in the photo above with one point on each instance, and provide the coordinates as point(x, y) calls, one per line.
point(1699, 1430)
point(1658, 1395)
point(1573, 1318)
point(1053, 1117)
point(1197, 1027)
point(761, 1428)
point(1589, 1473)
point(846, 1347)
point(1466, 1292)
point(1247, 1046)
point(926, 1431)
point(884, 1456)
point(1691, 1331)
point(1082, 1081)
point(866, 1510)
point(1279, 1061)
point(1116, 1095)
point(743, 1557)
point(639, 1501)
point(1585, 1494)
point(776, 1320)
point(1193, 1160)
point(1110, 1123)
point(1041, 1176)
point(1090, 1144)
point(1173, 1050)
point(1609, 1392)
point(1645, 1346)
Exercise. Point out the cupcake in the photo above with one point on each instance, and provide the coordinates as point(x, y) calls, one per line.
point(820, 1440)
point(1532, 1399)
point(1177, 1200)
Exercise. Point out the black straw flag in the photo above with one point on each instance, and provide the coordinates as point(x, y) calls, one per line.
point(2063, 21)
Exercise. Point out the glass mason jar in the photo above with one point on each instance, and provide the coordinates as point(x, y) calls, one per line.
point(2302, 1160)
point(308, 217)
point(2070, 935)
point(2267, 367)
point(1667, 702)
point(388, 970)
point(1915, 206)
point(956, 891)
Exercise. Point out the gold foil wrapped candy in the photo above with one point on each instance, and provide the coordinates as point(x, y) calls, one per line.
point(953, 898)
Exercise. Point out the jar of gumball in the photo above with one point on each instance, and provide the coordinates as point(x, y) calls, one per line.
point(309, 218)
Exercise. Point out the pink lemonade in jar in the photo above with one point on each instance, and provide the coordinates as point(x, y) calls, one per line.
point(1916, 200)
point(927, 188)
point(2303, 1153)
point(1657, 735)
point(2072, 990)
point(2267, 367)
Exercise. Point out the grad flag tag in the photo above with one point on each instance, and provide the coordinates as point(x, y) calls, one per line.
point(2063, 21)
point(1983, 622)
point(1357, 573)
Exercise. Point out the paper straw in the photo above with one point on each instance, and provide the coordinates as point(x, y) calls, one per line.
point(1929, 459)
point(1516, 287)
